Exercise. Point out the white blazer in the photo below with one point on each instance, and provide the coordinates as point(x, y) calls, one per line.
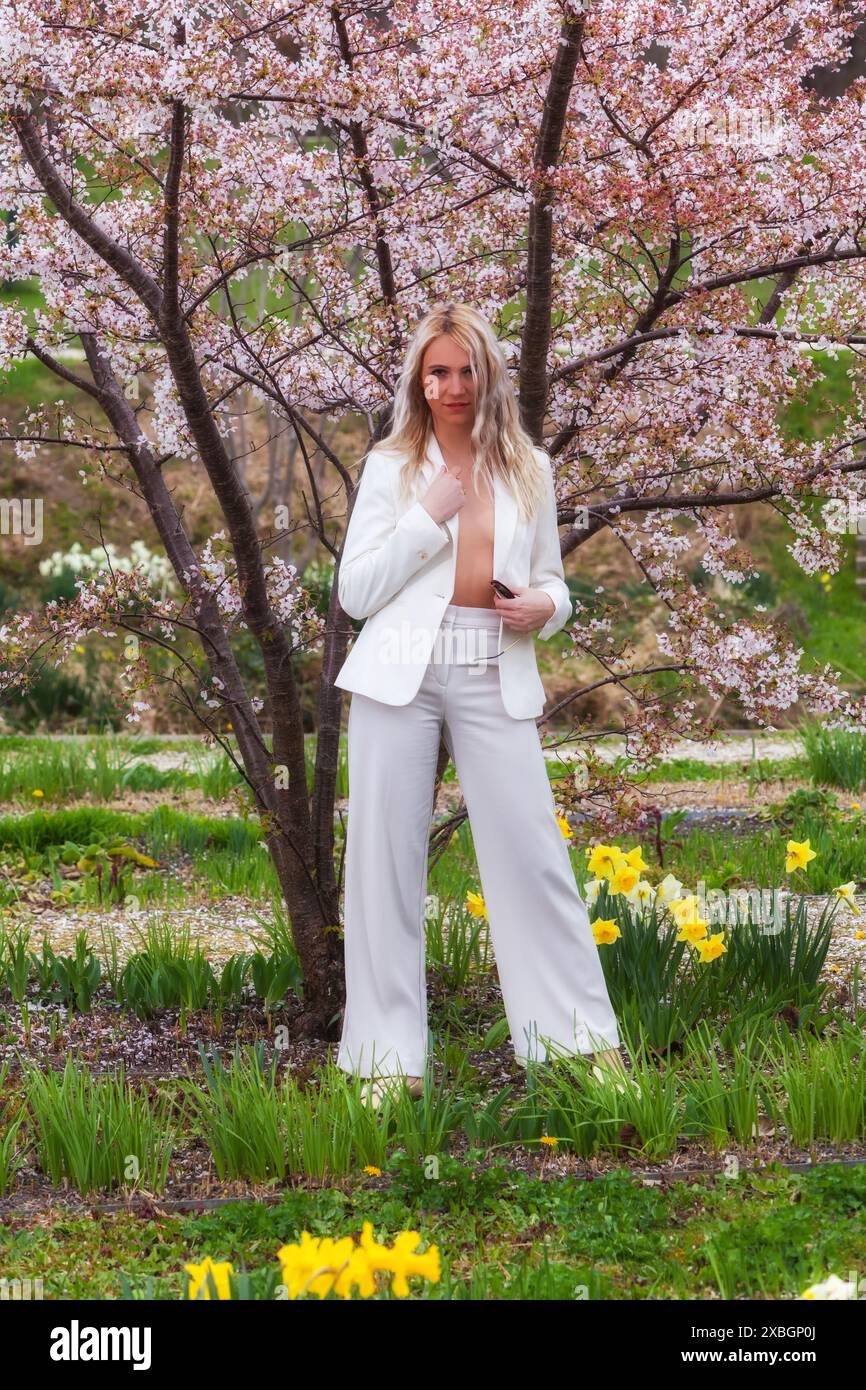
point(398, 568)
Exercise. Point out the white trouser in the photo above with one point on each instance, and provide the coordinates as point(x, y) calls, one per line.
point(549, 971)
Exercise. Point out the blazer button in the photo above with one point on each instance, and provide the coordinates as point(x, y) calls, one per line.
point(422, 554)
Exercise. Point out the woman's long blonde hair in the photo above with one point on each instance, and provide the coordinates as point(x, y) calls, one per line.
point(499, 442)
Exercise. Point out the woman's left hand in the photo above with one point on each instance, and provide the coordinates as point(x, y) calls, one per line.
point(528, 611)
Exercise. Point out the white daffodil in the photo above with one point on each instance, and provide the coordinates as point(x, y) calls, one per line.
point(669, 889)
point(644, 893)
point(592, 890)
point(832, 1288)
point(847, 891)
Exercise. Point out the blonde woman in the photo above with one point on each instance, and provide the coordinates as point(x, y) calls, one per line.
point(452, 556)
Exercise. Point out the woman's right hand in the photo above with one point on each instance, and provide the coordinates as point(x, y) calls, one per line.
point(444, 496)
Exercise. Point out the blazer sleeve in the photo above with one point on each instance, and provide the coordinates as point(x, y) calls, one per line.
point(546, 571)
point(380, 551)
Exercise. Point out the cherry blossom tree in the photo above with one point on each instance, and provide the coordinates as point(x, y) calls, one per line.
point(241, 209)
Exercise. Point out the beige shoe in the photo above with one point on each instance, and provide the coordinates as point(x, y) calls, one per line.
point(383, 1084)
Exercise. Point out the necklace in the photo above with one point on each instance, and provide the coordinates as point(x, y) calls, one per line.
point(460, 473)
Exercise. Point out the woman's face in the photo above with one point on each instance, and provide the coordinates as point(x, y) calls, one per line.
point(448, 384)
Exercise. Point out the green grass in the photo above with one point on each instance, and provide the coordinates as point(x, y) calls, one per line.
point(104, 769)
point(261, 1127)
point(829, 626)
point(161, 832)
point(501, 1234)
point(205, 856)
point(31, 384)
point(835, 757)
point(816, 413)
point(98, 1132)
point(107, 767)
point(725, 858)
point(760, 769)
point(263, 1124)
point(139, 744)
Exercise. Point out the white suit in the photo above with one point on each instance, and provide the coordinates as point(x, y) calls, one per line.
point(398, 566)
point(397, 571)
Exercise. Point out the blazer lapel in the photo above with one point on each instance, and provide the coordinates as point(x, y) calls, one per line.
point(504, 508)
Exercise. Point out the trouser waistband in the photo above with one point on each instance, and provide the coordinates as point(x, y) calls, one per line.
point(465, 615)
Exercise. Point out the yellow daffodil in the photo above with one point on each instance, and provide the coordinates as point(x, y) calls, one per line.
point(693, 931)
point(846, 891)
point(603, 860)
point(475, 904)
point(567, 832)
point(401, 1260)
point(712, 948)
point(860, 936)
point(198, 1279)
point(373, 1171)
point(319, 1265)
point(636, 859)
point(684, 909)
point(799, 854)
point(37, 792)
point(605, 931)
point(624, 878)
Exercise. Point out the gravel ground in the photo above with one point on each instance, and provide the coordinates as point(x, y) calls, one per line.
point(728, 795)
point(222, 928)
point(727, 748)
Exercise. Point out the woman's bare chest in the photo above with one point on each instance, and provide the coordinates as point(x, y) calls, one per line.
point(477, 518)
